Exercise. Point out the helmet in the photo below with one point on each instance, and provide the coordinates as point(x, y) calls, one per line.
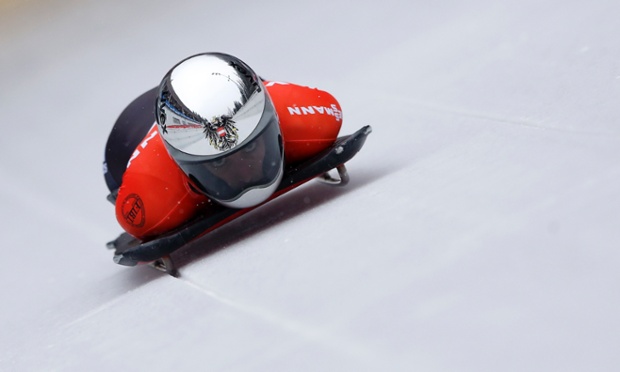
point(220, 126)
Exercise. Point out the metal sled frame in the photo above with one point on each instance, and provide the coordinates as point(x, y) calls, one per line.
point(342, 173)
point(130, 251)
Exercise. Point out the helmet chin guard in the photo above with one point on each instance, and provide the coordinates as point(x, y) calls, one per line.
point(220, 126)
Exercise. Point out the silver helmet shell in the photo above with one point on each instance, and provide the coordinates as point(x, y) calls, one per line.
point(220, 126)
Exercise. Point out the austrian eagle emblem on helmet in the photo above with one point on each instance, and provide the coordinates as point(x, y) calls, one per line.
point(221, 133)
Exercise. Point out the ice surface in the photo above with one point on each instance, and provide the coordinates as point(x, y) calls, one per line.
point(479, 232)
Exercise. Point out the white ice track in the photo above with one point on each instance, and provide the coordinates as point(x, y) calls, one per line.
point(480, 230)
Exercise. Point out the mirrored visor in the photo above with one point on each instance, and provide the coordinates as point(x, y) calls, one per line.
point(254, 165)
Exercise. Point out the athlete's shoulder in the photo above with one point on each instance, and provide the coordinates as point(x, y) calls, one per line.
point(310, 118)
point(155, 195)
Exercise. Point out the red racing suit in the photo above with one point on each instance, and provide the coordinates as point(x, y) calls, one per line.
point(156, 196)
